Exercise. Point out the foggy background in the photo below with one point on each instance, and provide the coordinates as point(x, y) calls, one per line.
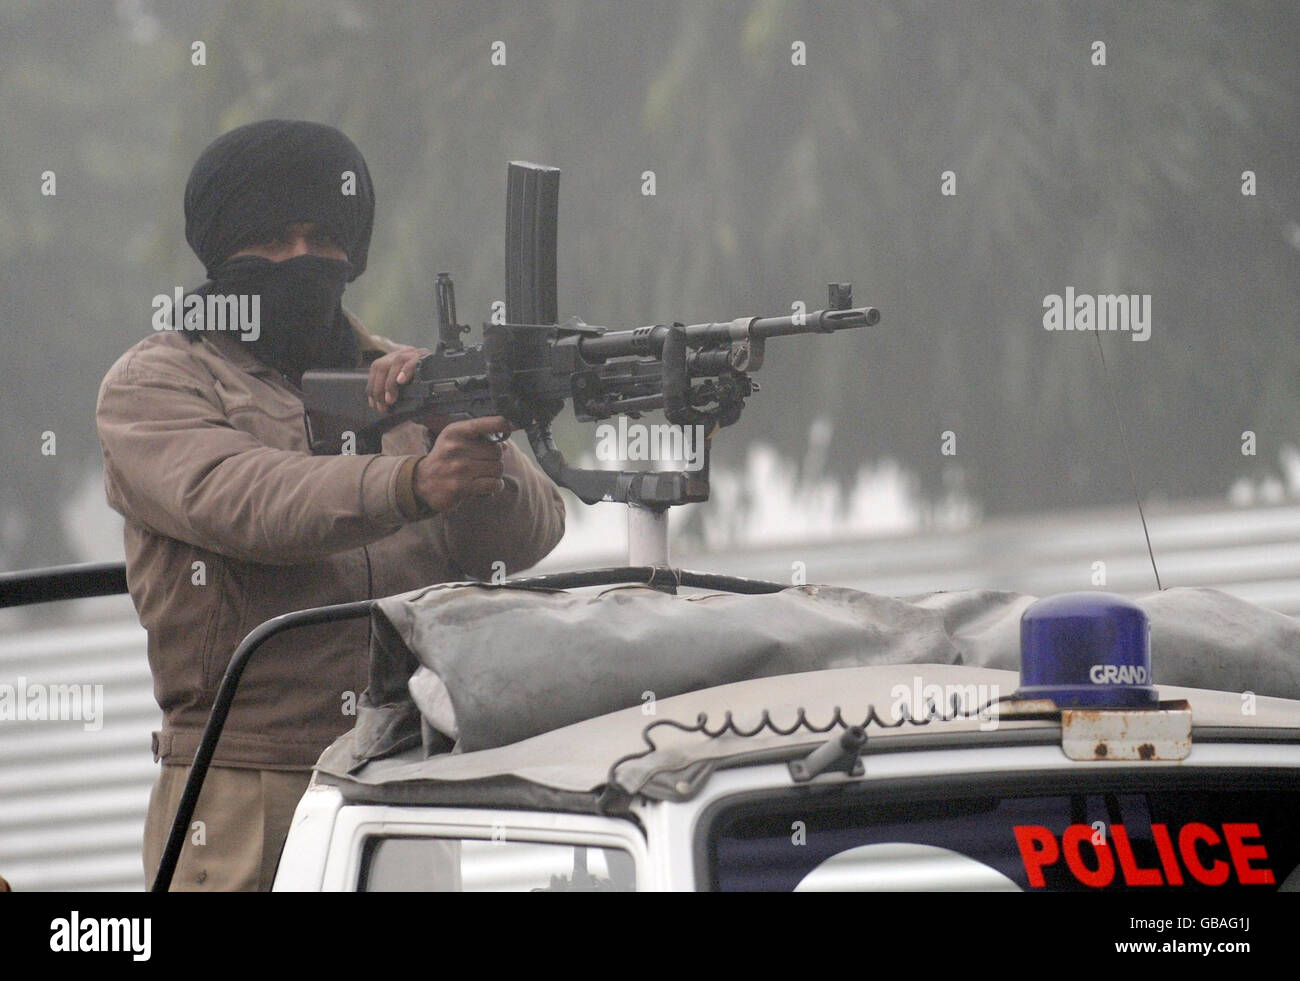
point(772, 179)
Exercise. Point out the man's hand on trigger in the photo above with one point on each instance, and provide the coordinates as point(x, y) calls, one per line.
point(464, 463)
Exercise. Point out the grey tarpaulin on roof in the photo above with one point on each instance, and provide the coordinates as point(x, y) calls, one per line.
point(491, 665)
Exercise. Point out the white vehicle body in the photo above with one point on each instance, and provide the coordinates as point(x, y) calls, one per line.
point(661, 831)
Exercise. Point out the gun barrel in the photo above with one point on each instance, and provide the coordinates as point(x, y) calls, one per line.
point(820, 322)
point(648, 341)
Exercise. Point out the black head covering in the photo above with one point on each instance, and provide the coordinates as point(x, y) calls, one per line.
point(255, 179)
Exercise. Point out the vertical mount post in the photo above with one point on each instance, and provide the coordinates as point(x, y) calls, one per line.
point(532, 220)
point(647, 536)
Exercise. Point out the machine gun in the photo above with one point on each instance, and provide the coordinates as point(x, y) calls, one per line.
point(526, 370)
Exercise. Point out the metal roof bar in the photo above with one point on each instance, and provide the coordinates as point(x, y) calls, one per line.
point(62, 582)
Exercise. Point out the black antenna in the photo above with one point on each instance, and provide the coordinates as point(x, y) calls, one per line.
point(1127, 458)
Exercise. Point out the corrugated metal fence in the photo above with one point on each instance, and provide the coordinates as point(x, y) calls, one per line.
point(73, 793)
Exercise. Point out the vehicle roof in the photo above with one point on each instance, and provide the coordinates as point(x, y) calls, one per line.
point(654, 755)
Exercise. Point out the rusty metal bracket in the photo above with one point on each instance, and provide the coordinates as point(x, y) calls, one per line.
point(1160, 733)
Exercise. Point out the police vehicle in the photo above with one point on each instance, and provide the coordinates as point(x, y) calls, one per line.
point(1078, 772)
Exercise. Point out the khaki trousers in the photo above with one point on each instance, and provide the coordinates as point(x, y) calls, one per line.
point(244, 817)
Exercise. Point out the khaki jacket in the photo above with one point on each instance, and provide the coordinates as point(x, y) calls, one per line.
point(230, 521)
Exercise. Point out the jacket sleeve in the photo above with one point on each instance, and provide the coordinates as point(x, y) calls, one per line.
point(173, 463)
point(518, 525)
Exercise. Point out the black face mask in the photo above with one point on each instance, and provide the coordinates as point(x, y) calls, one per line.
point(301, 311)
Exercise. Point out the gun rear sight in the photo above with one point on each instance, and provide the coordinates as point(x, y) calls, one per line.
point(449, 330)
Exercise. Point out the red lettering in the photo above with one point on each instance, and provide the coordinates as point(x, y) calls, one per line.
point(1241, 854)
point(1243, 842)
point(1165, 848)
point(1215, 874)
point(1075, 835)
point(1037, 848)
point(1134, 874)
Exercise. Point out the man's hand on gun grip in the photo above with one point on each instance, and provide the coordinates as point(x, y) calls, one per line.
point(464, 463)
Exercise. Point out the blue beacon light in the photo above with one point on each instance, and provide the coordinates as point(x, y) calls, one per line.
point(1086, 650)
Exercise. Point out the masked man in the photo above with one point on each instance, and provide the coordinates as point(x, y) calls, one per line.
point(231, 521)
